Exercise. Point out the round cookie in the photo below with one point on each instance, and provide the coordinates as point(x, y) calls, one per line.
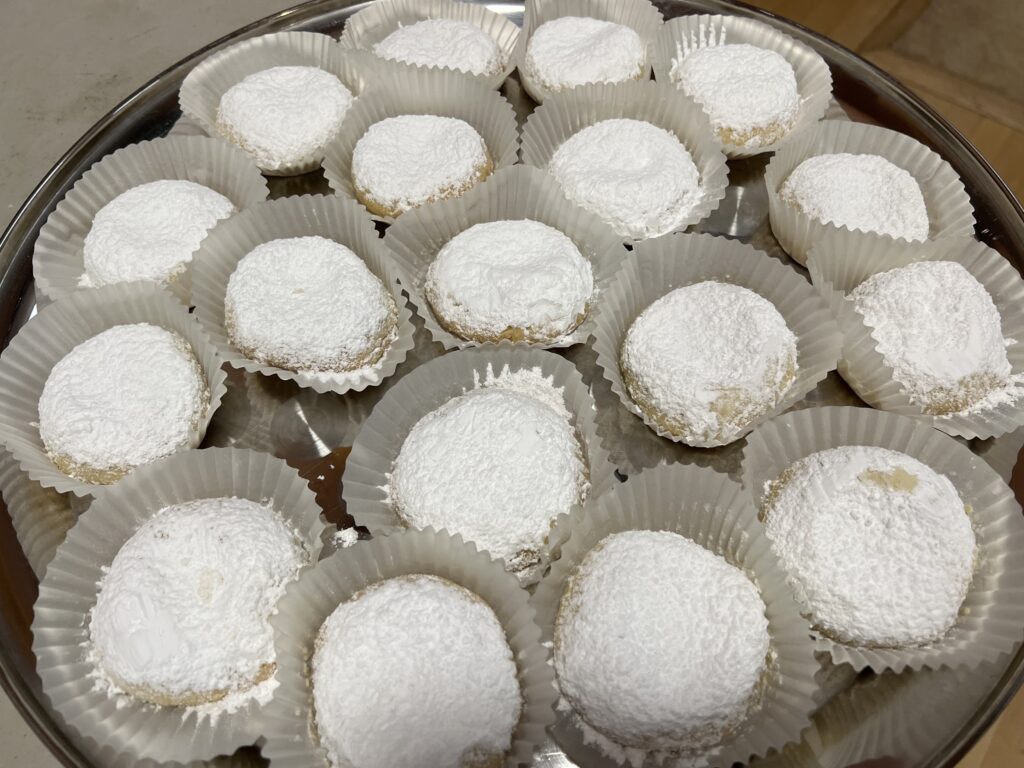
point(637, 177)
point(878, 546)
point(448, 43)
point(125, 397)
point(749, 93)
point(406, 161)
point(182, 613)
point(574, 50)
point(444, 649)
point(517, 280)
point(495, 465)
point(284, 116)
point(861, 192)
point(150, 231)
point(700, 623)
point(705, 361)
point(939, 330)
point(308, 304)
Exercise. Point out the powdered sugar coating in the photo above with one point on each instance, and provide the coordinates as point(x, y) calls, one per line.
point(415, 672)
point(284, 116)
point(182, 612)
point(125, 397)
point(443, 43)
point(939, 330)
point(150, 231)
point(574, 50)
point(877, 545)
point(706, 360)
point(520, 280)
point(700, 623)
point(495, 465)
point(862, 192)
point(406, 161)
point(749, 93)
point(308, 304)
point(636, 176)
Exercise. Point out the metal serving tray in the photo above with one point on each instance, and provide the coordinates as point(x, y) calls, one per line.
point(888, 721)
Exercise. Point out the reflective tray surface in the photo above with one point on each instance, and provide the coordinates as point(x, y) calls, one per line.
point(888, 721)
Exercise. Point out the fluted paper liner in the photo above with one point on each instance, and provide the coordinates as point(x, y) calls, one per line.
point(659, 266)
point(950, 213)
point(57, 262)
point(716, 513)
point(332, 217)
point(838, 270)
point(813, 78)
point(204, 86)
point(369, 465)
point(422, 91)
point(515, 193)
point(375, 22)
point(991, 620)
point(899, 716)
point(68, 594)
point(290, 734)
point(101, 755)
point(59, 328)
point(567, 113)
point(639, 15)
point(40, 516)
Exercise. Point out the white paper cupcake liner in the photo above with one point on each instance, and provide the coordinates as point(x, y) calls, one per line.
point(639, 15)
point(813, 78)
point(105, 756)
point(332, 217)
point(657, 267)
point(290, 740)
point(519, 192)
point(898, 716)
point(567, 113)
point(950, 212)
point(57, 261)
point(375, 22)
point(204, 86)
point(422, 91)
point(991, 620)
point(716, 513)
point(68, 594)
point(837, 270)
point(369, 465)
point(54, 332)
point(41, 517)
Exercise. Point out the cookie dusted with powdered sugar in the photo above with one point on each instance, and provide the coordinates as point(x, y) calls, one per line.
point(637, 177)
point(406, 161)
point(878, 546)
point(702, 627)
point(447, 43)
point(705, 361)
point(496, 465)
point(125, 397)
point(309, 304)
point(575, 50)
point(940, 331)
point(860, 192)
point(182, 613)
point(150, 232)
point(518, 280)
point(422, 657)
point(749, 93)
point(284, 117)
